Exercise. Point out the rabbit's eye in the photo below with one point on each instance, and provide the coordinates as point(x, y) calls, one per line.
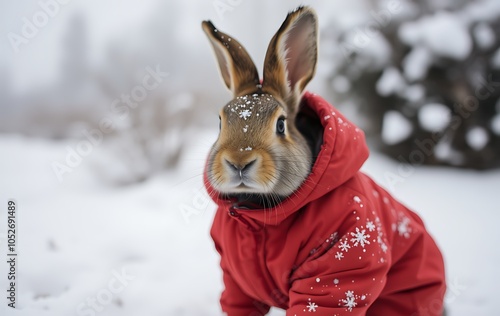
point(280, 126)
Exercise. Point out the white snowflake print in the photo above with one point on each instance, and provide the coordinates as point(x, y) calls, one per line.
point(344, 246)
point(356, 199)
point(349, 301)
point(403, 226)
point(333, 238)
point(370, 226)
point(381, 242)
point(312, 307)
point(245, 114)
point(360, 238)
point(383, 246)
point(339, 256)
point(380, 234)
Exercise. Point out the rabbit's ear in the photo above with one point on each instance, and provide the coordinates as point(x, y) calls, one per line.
point(291, 57)
point(236, 66)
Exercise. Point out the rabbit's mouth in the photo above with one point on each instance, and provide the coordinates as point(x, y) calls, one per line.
point(242, 183)
point(245, 185)
point(232, 174)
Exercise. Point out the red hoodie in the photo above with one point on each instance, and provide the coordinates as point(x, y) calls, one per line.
point(340, 245)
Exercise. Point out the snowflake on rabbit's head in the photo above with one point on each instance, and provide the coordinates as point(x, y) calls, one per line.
point(245, 114)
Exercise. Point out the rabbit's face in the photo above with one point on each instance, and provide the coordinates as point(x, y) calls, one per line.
point(256, 148)
point(259, 149)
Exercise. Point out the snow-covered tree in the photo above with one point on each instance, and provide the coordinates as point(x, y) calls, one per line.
point(424, 78)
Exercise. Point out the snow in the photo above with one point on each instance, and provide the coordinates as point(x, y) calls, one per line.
point(484, 35)
point(416, 63)
point(395, 128)
point(341, 84)
point(495, 60)
point(372, 46)
point(245, 114)
point(486, 10)
point(446, 153)
point(477, 138)
point(390, 82)
point(452, 40)
point(79, 232)
point(379, 50)
point(82, 233)
point(180, 103)
point(434, 117)
point(495, 124)
point(414, 93)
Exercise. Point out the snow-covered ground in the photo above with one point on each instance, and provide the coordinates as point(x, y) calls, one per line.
point(85, 248)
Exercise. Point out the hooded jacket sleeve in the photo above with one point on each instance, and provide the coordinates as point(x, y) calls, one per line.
point(234, 301)
point(338, 282)
point(348, 272)
point(385, 265)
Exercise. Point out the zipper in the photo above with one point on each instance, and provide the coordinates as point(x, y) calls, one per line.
point(234, 214)
point(259, 236)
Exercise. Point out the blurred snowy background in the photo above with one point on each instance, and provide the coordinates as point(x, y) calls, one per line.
point(108, 109)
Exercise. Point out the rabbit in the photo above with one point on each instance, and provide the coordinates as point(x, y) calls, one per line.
point(240, 162)
point(298, 226)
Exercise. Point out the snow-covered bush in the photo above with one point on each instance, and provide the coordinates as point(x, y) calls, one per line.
point(423, 78)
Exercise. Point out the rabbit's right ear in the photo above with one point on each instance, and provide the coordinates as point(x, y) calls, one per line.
point(236, 67)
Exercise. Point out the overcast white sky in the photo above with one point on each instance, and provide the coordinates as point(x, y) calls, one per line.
point(37, 61)
point(36, 65)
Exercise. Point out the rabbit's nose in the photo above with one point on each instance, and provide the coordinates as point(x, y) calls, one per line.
point(241, 169)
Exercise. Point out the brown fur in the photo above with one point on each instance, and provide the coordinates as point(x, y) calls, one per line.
point(250, 156)
point(236, 67)
point(295, 42)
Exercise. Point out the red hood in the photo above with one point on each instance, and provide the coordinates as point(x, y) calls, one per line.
point(342, 154)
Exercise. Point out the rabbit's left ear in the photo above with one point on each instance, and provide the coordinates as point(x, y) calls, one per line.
point(236, 66)
point(291, 57)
